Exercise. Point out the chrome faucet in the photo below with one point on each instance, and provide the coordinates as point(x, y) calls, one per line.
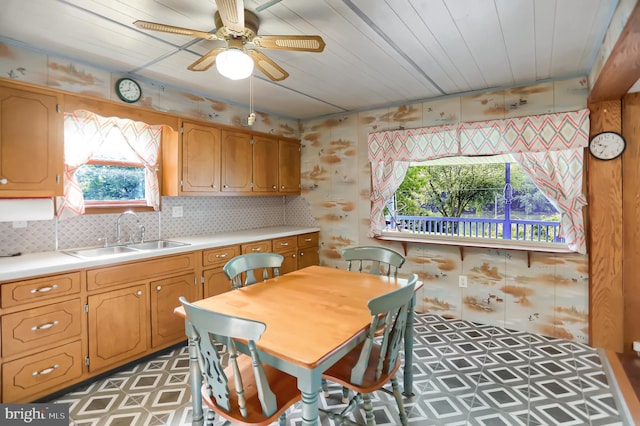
point(118, 229)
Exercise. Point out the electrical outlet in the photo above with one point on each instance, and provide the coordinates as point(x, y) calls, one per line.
point(20, 224)
point(462, 281)
point(177, 211)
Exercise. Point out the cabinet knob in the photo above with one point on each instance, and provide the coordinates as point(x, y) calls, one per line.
point(3, 181)
point(301, 253)
point(225, 186)
point(139, 293)
point(159, 288)
point(282, 187)
point(275, 187)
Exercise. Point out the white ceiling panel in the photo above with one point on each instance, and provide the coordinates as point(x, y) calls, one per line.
point(378, 52)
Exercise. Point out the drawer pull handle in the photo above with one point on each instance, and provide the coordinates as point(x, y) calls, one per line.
point(44, 289)
point(284, 244)
point(256, 249)
point(45, 371)
point(44, 326)
point(307, 240)
point(139, 293)
point(221, 256)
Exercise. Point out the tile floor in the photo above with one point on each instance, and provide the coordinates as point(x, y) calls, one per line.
point(464, 374)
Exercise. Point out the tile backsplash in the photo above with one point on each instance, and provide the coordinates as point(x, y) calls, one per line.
point(201, 216)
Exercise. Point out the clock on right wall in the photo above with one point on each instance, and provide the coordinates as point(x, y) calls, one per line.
point(607, 145)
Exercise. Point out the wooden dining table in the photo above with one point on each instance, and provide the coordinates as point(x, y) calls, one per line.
point(314, 316)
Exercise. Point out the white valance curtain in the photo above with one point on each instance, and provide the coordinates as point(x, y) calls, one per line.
point(548, 147)
point(84, 132)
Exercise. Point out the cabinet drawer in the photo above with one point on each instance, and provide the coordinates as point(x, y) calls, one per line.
point(285, 244)
point(21, 292)
point(37, 327)
point(41, 372)
point(219, 256)
point(257, 247)
point(308, 240)
point(139, 271)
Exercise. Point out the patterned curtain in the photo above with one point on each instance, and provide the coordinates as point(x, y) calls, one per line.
point(84, 132)
point(567, 133)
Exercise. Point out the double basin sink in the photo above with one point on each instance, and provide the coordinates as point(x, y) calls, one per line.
point(97, 252)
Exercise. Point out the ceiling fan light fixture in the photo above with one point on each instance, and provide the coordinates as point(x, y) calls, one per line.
point(234, 64)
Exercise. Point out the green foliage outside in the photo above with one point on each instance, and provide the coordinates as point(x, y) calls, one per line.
point(472, 190)
point(111, 183)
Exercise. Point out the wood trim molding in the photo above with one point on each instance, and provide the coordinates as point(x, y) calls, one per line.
point(622, 68)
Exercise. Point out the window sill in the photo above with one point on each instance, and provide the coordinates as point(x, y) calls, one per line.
point(116, 208)
point(405, 238)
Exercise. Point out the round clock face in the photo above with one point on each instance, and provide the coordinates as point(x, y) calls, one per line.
point(607, 145)
point(128, 90)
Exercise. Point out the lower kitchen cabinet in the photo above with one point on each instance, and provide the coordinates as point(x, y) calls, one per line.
point(166, 327)
point(118, 325)
point(26, 378)
point(308, 250)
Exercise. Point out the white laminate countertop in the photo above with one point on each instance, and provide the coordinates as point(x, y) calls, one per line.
point(33, 264)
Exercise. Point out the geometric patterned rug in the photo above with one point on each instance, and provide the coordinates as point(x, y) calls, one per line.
point(464, 374)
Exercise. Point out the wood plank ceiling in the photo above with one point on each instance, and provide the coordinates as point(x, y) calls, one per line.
point(378, 53)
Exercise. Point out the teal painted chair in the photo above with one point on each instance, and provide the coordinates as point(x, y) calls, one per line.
point(374, 363)
point(373, 259)
point(241, 270)
point(259, 394)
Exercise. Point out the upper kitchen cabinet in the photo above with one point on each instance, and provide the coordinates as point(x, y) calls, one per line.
point(191, 162)
point(265, 164)
point(289, 167)
point(237, 163)
point(31, 141)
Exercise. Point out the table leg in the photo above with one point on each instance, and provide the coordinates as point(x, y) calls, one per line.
point(408, 351)
point(309, 386)
point(197, 418)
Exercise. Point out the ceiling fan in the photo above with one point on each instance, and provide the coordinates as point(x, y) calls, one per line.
point(239, 28)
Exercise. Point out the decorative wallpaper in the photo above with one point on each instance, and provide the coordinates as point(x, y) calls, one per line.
point(548, 297)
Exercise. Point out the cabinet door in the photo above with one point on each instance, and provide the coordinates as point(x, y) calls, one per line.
point(200, 158)
point(290, 262)
point(236, 163)
point(166, 327)
point(118, 326)
point(308, 257)
point(31, 150)
point(265, 164)
point(289, 166)
point(215, 282)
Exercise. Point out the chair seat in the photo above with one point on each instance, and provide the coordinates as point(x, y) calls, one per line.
point(340, 372)
point(283, 385)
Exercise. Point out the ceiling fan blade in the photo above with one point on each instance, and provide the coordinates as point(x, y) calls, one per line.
point(145, 25)
point(265, 64)
point(232, 14)
point(290, 42)
point(206, 61)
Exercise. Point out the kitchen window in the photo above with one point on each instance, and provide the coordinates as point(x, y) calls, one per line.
point(111, 165)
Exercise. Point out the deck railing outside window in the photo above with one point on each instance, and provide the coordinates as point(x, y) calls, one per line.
point(507, 229)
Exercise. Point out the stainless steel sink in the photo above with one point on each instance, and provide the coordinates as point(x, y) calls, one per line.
point(155, 245)
point(90, 253)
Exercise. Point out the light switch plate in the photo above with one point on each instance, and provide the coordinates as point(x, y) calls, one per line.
point(177, 211)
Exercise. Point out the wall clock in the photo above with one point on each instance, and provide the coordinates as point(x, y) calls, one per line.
point(607, 145)
point(128, 90)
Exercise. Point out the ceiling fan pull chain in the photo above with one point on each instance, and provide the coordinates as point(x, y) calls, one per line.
point(252, 114)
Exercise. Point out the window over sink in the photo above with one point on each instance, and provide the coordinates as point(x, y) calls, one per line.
point(111, 164)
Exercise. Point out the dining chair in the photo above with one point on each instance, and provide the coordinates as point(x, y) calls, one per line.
point(241, 269)
point(259, 393)
point(381, 260)
point(374, 363)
